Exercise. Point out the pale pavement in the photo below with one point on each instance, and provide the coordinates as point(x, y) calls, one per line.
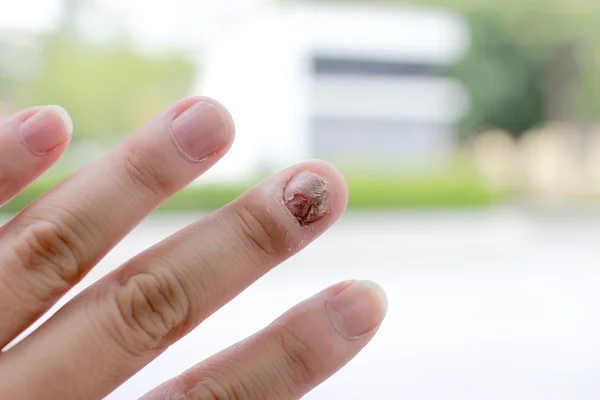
point(483, 305)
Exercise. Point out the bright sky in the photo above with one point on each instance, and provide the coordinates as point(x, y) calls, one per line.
point(153, 22)
point(28, 14)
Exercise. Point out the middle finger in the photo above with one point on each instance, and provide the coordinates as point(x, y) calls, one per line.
point(122, 323)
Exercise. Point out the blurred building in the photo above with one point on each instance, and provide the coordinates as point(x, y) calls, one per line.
point(361, 86)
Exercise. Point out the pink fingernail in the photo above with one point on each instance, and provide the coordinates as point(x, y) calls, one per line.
point(200, 131)
point(308, 197)
point(47, 129)
point(358, 310)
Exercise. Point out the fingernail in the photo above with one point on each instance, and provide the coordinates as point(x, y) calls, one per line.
point(200, 131)
point(358, 310)
point(47, 129)
point(308, 197)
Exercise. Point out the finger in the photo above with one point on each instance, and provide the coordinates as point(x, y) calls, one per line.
point(30, 142)
point(53, 243)
point(122, 323)
point(292, 356)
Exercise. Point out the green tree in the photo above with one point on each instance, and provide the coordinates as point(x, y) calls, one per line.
point(504, 79)
point(530, 61)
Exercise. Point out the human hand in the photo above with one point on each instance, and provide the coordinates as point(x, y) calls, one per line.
point(124, 321)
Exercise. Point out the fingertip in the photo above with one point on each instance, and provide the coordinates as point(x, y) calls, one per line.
point(183, 105)
point(21, 116)
point(45, 129)
point(30, 142)
point(358, 311)
point(64, 117)
point(225, 115)
point(381, 302)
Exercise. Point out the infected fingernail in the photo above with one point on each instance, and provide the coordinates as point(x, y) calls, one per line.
point(200, 131)
point(47, 129)
point(308, 197)
point(358, 310)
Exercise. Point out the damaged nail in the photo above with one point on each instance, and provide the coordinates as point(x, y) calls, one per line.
point(308, 197)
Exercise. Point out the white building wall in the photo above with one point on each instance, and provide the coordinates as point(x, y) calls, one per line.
point(258, 71)
point(262, 71)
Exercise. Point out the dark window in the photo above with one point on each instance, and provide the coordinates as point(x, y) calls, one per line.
point(339, 66)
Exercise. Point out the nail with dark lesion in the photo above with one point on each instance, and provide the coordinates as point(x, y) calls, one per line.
point(308, 197)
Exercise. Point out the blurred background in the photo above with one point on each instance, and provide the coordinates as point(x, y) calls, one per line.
point(468, 131)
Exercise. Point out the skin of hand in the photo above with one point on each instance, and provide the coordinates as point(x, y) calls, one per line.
point(127, 319)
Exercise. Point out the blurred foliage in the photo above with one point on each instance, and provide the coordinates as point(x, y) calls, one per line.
point(438, 191)
point(530, 61)
point(109, 90)
point(503, 78)
point(432, 191)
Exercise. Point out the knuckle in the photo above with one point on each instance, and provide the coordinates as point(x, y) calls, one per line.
point(52, 250)
point(151, 307)
point(262, 233)
point(148, 175)
point(301, 360)
point(211, 389)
